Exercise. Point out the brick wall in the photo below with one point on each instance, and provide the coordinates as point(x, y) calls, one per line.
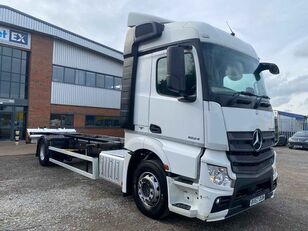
point(79, 118)
point(39, 82)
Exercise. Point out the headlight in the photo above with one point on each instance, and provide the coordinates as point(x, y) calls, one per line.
point(290, 139)
point(219, 175)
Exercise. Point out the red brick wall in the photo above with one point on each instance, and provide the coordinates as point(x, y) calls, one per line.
point(39, 83)
point(79, 118)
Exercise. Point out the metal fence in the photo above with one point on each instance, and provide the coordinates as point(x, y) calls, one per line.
point(288, 123)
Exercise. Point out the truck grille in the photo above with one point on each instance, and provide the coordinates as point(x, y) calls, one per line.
point(244, 159)
point(242, 141)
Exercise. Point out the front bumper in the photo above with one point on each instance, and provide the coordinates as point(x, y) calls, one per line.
point(302, 145)
point(239, 201)
point(200, 199)
point(201, 202)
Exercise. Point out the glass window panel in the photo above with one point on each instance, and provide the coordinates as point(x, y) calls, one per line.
point(61, 120)
point(102, 121)
point(6, 108)
point(14, 90)
point(0, 50)
point(15, 77)
point(6, 63)
point(116, 123)
point(22, 91)
point(16, 65)
point(5, 76)
point(109, 82)
point(67, 121)
point(189, 73)
point(162, 78)
point(117, 83)
point(57, 74)
point(108, 122)
point(7, 51)
point(24, 55)
point(5, 89)
point(69, 75)
point(23, 67)
point(55, 120)
point(20, 121)
point(17, 53)
point(90, 120)
point(90, 79)
point(23, 79)
point(80, 77)
point(100, 80)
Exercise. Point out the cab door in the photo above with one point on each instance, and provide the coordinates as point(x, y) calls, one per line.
point(170, 118)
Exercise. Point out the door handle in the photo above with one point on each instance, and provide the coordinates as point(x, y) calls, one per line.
point(155, 129)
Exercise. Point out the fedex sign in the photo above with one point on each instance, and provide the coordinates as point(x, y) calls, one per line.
point(15, 37)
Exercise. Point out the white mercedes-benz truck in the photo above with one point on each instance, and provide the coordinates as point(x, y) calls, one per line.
point(199, 126)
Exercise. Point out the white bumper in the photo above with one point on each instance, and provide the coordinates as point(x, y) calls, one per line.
point(197, 199)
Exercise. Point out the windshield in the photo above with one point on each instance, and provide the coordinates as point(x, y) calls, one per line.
point(301, 134)
point(229, 71)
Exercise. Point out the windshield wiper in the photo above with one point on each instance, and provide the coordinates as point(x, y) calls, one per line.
point(244, 93)
point(238, 93)
point(257, 104)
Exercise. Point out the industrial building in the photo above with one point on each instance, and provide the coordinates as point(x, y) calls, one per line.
point(51, 77)
point(288, 124)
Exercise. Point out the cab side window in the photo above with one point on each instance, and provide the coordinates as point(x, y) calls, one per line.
point(161, 76)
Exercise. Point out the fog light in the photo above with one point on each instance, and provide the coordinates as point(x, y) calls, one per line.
point(219, 175)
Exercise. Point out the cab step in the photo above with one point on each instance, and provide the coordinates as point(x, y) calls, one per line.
point(182, 206)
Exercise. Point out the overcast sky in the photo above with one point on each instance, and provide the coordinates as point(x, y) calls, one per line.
point(278, 30)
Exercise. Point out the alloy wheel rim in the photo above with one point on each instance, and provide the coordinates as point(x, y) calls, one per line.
point(148, 189)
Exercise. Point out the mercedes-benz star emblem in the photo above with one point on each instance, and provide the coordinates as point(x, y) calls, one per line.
point(257, 140)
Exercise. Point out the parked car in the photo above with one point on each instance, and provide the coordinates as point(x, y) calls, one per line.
point(299, 140)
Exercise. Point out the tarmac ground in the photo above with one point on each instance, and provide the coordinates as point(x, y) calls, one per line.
point(53, 198)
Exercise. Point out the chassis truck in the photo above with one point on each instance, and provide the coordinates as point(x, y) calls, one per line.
point(198, 124)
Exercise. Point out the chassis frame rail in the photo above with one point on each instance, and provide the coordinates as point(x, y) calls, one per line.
point(93, 160)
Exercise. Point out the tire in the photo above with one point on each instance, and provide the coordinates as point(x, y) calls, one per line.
point(148, 176)
point(290, 146)
point(43, 153)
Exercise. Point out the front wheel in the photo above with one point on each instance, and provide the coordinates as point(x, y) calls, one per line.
point(290, 146)
point(150, 189)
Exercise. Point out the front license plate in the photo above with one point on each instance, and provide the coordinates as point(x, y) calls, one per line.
point(298, 146)
point(257, 200)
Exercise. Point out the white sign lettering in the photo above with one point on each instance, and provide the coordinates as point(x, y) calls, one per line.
point(15, 38)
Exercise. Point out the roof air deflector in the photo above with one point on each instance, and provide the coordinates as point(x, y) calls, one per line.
point(135, 19)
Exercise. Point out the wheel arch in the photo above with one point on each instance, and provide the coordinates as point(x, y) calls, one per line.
point(136, 157)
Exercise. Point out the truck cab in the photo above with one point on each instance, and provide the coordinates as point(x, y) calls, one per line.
point(194, 98)
point(199, 126)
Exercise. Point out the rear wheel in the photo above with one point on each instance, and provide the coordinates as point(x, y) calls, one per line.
point(150, 189)
point(43, 153)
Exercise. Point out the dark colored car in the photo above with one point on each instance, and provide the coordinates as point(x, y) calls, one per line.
point(299, 140)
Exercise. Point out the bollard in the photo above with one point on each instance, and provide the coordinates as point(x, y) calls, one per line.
point(16, 137)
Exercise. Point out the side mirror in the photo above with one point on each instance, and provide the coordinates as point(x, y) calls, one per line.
point(272, 67)
point(176, 80)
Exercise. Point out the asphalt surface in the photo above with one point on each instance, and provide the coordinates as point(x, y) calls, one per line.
point(52, 198)
point(9, 148)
